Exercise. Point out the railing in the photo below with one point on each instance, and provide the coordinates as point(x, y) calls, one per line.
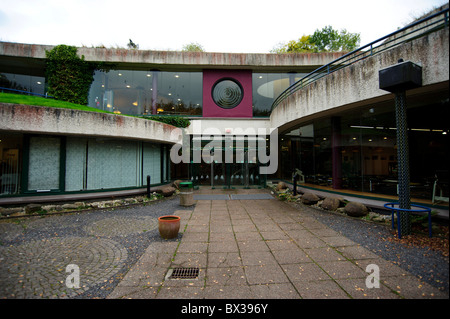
point(413, 31)
point(25, 92)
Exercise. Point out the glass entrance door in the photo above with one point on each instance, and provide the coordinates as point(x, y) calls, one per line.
point(243, 171)
point(228, 164)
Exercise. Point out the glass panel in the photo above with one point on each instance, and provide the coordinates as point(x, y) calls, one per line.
point(113, 164)
point(43, 168)
point(267, 87)
point(34, 84)
point(152, 163)
point(10, 163)
point(75, 164)
point(147, 92)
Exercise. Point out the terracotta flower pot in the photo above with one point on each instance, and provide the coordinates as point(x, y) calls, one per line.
point(169, 226)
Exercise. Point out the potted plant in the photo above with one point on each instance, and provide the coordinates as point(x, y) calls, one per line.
point(169, 226)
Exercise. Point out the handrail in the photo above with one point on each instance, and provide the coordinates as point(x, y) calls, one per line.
point(26, 92)
point(371, 49)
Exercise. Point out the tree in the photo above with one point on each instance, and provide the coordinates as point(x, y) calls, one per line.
point(302, 45)
point(325, 40)
point(330, 40)
point(193, 47)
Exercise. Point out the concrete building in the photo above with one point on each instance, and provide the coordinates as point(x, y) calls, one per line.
point(332, 122)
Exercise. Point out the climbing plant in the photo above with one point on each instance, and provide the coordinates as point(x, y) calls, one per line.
point(69, 77)
point(177, 121)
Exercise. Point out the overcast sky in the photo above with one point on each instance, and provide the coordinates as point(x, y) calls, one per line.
point(219, 26)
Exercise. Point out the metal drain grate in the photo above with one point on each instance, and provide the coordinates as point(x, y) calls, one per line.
point(183, 273)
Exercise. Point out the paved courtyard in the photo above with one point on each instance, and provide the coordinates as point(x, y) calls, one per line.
point(243, 248)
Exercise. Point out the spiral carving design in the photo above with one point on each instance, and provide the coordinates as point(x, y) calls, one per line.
point(227, 93)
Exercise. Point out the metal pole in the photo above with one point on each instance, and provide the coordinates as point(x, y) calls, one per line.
point(148, 186)
point(212, 171)
point(403, 161)
point(295, 184)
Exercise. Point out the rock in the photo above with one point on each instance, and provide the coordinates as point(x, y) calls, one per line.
point(32, 208)
point(331, 203)
point(176, 183)
point(69, 206)
point(379, 219)
point(168, 191)
point(10, 211)
point(309, 198)
point(281, 186)
point(355, 209)
point(50, 208)
point(96, 205)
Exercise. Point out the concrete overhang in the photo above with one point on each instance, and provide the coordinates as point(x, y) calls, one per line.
point(55, 121)
point(34, 54)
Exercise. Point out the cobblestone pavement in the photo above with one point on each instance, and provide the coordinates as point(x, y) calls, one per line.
point(35, 252)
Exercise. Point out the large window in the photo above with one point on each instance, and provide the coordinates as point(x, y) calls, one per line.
point(147, 92)
point(267, 87)
point(357, 150)
point(20, 82)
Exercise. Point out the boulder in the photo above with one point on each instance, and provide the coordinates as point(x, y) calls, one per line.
point(69, 206)
point(355, 209)
point(281, 186)
point(330, 203)
point(176, 183)
point(10, 211)
point(309, 198)
point(167, 191)
point(32, 208)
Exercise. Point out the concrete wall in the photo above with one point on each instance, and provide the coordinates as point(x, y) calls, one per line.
point(358, 85)
point(47, 120)
point(167, 60)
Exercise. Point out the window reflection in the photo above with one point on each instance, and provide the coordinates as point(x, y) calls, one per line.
point(20, 82)
point(147, 92)
point(267, 87)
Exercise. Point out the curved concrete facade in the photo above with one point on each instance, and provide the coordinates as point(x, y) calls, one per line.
point(38, 120)
point(357, 84)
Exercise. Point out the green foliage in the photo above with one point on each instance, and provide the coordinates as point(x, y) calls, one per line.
point(69, 77)
point(303, 45)
point(325, 40)
point(193, 47)
point(177, 121)
point(330, 40)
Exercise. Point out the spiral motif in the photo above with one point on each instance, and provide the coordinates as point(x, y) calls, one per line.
point(227, 94)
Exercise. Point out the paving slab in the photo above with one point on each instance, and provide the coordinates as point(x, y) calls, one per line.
point(265, 249)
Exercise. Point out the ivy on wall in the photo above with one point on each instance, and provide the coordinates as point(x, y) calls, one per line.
point(69, 77)
point(177, 121)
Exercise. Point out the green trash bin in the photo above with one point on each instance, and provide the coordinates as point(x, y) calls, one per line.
point(186, 194)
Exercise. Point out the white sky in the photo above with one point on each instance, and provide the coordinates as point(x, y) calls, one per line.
point(250, 26)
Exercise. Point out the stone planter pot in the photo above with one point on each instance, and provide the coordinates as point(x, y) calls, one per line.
point(169, 226)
